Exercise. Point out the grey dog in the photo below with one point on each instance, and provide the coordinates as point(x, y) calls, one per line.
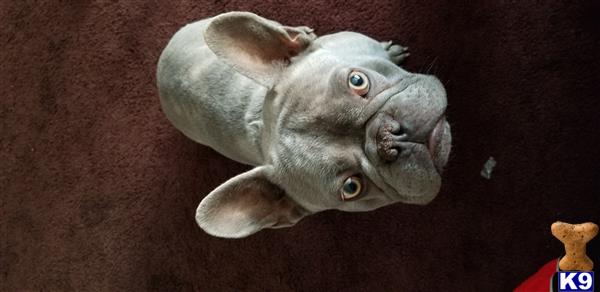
point(329, 122)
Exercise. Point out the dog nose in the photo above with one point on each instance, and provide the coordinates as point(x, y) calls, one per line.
point(394, 136)
point(388, 139)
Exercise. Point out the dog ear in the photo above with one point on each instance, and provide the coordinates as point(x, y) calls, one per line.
point(246, 204)
point(256, 47)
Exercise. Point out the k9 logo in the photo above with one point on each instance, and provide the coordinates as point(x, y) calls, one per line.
point(575, 281)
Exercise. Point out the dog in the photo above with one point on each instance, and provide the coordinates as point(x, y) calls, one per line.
point(329, 122)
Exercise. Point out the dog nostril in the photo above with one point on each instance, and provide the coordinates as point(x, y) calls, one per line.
point(388, 136)
point(387, 150)
point(390, 154)
point(395, 153)
point(399, 131)
point(395, 128)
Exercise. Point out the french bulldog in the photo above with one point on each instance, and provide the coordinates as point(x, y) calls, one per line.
point(329, 122)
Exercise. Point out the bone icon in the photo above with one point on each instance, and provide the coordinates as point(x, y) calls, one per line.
point(575, 237)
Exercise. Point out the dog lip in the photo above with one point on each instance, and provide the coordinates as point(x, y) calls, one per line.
point(435, 144)
point(435, 137)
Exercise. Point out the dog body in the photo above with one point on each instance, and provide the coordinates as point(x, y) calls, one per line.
point(329, 122)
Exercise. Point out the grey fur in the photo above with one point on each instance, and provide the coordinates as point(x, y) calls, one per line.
point(278, 98)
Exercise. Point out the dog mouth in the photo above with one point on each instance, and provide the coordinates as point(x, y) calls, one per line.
point(439, 143)
point(408, 142)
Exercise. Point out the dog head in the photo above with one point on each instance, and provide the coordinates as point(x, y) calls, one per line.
point(344, 127)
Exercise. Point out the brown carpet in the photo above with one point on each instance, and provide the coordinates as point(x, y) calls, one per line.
point(99, 191)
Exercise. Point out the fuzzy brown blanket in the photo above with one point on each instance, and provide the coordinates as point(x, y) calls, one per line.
point(98, 191)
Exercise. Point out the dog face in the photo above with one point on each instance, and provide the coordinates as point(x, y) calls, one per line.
point(357, 148)
point(339, 146)
point(344, 127)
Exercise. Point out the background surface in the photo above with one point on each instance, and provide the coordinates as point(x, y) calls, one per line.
point(99, 191)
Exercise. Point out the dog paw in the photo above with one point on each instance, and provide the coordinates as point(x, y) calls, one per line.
point(397, 53)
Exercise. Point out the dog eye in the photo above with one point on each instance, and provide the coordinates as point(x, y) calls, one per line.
point(359, 83)
point(352, 188)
